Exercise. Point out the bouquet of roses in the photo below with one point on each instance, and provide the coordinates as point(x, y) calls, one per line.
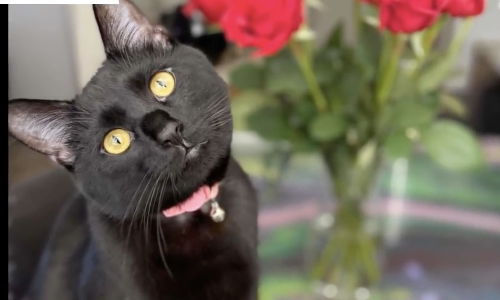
point(353, 103)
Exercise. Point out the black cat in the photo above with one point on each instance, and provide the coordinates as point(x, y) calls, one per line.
point(163, 211)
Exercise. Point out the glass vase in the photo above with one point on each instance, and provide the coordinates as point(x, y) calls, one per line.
point(343, 257)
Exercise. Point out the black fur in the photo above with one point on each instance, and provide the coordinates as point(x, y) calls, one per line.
point(111, 240)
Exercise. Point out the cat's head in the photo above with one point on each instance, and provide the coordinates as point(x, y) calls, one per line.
point(153, 123)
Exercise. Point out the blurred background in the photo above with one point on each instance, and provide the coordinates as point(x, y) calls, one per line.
point(441, 229)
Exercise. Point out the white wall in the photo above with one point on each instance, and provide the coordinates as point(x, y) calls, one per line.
point(87, 47)
point(55, 49)
point(40, 57)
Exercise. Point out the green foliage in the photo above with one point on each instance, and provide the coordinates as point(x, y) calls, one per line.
point(327, 66)
point(404, 86)
point(452, 105)
point(283, 286)
point(452, 145)
point(248, 76)
point(270, 123)
point(283, 76)
point(434, 73)
point(397, 145)
point(350, 87)
point(356, 112)
point(336, 37)
point(369, 49)
point(406, 113)
point(302, 144)
point(302, 112)
point(246, 102)
point(326, 127)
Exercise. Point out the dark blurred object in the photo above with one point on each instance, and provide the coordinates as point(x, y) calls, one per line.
point(194, 33)
point(489, 110)
point(31, 221)
point(482, 92)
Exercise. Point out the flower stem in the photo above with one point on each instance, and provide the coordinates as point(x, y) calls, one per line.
point(391, 53)
point(356, 16)
point(431, 33)
point(459, 38)
point(305, 66)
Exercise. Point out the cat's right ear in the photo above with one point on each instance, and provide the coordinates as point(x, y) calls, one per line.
point(44, 126)
point(124, 27)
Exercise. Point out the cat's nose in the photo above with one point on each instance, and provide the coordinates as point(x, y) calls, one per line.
point(163, 129)
point(170, 134)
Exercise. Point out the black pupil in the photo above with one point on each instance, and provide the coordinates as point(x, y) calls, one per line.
point(161, 83)
point(116, 140)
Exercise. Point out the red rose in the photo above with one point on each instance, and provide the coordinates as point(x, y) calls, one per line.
point(212, 10)
point(406, 16)
point(463, 8)
point(262, 24)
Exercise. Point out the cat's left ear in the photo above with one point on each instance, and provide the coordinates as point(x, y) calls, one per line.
point(44, 126)
point(124, 27)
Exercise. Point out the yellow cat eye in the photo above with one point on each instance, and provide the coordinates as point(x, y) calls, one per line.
point(116, 141)
point(162, 84)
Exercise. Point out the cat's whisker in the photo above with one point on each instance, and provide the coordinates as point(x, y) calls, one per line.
point(213, 103)
point(82, 119)
point(222, 118)
point(146, 215)
point(220, 112)
point(129, 205)
point(220, 123)
point(159, 232)
point(135, 212)
point(221, 103)
point(172, 179)
point(214, 106)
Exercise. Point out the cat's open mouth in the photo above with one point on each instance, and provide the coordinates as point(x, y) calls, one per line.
point(194, 202)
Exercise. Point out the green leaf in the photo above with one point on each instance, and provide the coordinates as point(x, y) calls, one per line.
point(244, 103)
point(283, 75)
point(452, 105)
point(301, 144)
point(434, 73)
point(369, 48)
point(370, 11)
point(302, 112)
point(404, 86)
point(452, 145)
point(270, 123)
point(335, 39)
point(327, 66)
point(397, 145)
point(408, 113)
point(247, 76)
point(351, 85)
point(366, 155)
point(327, 127)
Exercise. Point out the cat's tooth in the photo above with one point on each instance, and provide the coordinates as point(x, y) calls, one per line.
point(214, 190)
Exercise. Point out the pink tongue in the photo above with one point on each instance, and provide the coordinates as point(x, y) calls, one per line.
point(193, 203)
